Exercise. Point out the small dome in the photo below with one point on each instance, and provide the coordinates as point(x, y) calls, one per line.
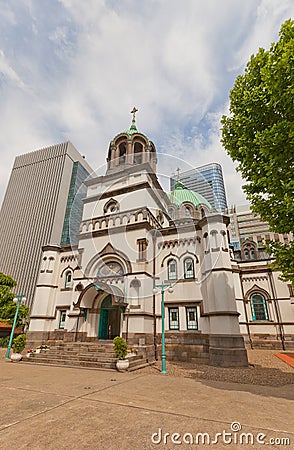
point(130, 148)
point(132, 130)
point(182, 195)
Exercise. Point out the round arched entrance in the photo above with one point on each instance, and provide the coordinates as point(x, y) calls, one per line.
point(110, 319)
point(102, 306)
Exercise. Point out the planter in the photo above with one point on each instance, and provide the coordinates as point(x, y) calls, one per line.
point(15, 357)
point(122, 365)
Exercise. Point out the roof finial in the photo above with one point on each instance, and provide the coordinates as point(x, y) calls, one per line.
point(134, 110)
point(178, 184)
point(133, 126)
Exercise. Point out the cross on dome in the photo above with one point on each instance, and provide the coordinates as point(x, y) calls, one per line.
point(134, 110)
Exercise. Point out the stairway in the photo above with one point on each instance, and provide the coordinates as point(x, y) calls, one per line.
point(83, 354)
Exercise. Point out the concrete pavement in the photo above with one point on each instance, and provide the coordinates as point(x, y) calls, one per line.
point(64, 408)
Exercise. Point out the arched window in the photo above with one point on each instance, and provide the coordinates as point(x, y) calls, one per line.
point(44, 263)
point(68, 279)
point(188, 212)
point(172, 269)
point(122, 152)
point(258, 306)
point(138, 153)
point(50, 264)
point(188, 269)
point(252, 252)
point(111, 269)
point(249, 251)
point(135, 291)
point(111, 206)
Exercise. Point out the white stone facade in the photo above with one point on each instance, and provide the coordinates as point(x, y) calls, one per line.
point(129, 242)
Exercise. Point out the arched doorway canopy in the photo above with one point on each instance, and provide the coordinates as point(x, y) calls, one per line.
point(92, 291)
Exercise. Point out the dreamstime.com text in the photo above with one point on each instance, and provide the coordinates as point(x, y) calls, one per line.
point(234, 436)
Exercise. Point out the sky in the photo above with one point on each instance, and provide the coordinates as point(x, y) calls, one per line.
point(73, 70)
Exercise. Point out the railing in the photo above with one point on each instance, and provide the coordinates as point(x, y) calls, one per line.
point(119, 219)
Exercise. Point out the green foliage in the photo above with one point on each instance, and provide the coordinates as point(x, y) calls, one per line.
point(284, 260)
point(7, 305)
point(259, 134)
point(19, 343)
point(120, 347)
point(4, 341)
point(6, 284)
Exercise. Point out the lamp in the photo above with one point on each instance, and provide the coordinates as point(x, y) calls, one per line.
point(161, 288)
point(18, 299)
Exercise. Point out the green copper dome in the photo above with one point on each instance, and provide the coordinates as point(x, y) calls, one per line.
point(181, 195)
point(133, 128)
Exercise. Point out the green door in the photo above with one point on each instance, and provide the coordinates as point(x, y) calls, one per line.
point(110, 316)
point(103, 324)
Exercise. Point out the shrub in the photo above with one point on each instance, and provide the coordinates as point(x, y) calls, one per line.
point(4, 341)
point(120, 347)
point(19, 343)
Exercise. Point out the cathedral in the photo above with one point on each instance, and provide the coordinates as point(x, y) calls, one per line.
point(144, 259)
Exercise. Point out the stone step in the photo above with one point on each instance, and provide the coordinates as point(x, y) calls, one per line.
point(76, 353)
point(89, 346)
point(84, 355)
point(140, 366)
point(70, 363)
point(39, 358)
point(100, 358)
point(83, 345)
point(85, 349)
point(267, 344)
point(137, 362)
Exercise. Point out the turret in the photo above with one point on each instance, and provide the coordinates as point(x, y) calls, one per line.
point(129, 148)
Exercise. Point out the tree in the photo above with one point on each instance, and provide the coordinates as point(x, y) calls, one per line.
point(7, 305)
point(259, 134)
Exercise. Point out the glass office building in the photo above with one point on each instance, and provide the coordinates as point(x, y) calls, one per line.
point(74, 207)
point(208, 181)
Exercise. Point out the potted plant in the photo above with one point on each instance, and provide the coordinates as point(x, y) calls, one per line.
point(132, 352)
point(18, 346)
point(29, 352)
point(120, 350)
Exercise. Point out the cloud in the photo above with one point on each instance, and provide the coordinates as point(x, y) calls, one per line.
point(189, 152)
point(8, 72)
point(73, 71)
point(264, 29)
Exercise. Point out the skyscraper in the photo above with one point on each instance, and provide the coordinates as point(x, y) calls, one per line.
point(208, 181)
point(37, 208)
point(246, 225)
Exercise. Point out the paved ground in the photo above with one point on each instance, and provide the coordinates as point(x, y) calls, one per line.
point(61, 408)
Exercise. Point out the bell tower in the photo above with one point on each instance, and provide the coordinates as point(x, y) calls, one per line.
point(130, 148)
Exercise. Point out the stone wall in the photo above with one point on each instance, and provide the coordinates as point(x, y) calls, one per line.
point(269, 342)
point(183, 346)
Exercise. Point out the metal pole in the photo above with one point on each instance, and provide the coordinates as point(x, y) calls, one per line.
point(162, 287)
point(163, 356)
point(19, 297)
